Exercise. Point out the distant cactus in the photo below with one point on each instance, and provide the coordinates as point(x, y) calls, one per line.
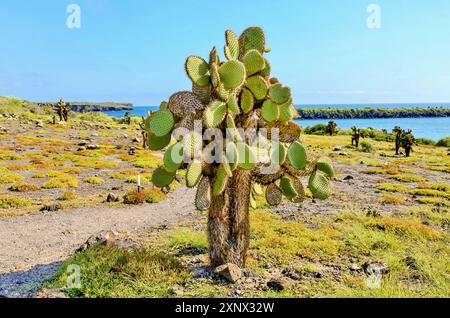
point(62, 110)
point(331, 127)
point(235, 96)
point(357, 133)
point(407, 141)
point(144, 133)
point(398, 131)
point(127, 118)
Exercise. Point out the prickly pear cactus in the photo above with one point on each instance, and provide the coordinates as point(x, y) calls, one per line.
point(228, 99)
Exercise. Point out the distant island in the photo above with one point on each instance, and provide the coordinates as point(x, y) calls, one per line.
point(94, 107)
point(104, 106)
point(349, 113)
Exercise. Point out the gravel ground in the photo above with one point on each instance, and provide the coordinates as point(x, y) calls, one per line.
point(32, 246)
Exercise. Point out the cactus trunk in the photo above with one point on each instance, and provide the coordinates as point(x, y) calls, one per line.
point(228, 222)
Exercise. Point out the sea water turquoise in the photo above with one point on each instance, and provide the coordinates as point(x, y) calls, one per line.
point(431, 128)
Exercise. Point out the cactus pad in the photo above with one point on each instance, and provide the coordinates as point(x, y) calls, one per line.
point(192, 145)
point(247, 101)
point(277, 153)
point(254, 62)
point(246, 156)
point(279, 94)
point(298, 186)
point(158, 143)
point(252, 201)
point(198, 70)
point(273, 194)
point(173, 157)
point(183, 103)
point(193, 174)
point(287, 188)
point(325, 165)
point(267, 69)
point(215, 114)
point(232, 74)
point(202, 93)
point(162, 178)
point(297, 155)
point(258, 86)
point(232, 156)
point(232, 45)
point(286, 111)
point(214, 57)
point(270, 111)
point(319, 185)
point(163, 105)
point(233, 106)
point(215, 77)
point(161, 123)
point(252, 38)
point(257, 189)
point(220, 181)
point(203, 194)
point(290, 132)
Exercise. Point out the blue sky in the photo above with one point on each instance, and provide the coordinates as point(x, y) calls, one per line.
point(135, 50)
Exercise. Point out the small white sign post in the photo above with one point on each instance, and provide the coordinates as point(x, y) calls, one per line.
point(139, 183)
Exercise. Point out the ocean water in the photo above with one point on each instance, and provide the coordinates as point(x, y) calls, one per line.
point(431, 128)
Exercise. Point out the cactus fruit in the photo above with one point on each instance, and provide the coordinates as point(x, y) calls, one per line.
point(161, 123)
point(270, 111)
point(325, 165)
point(198, 70)
point(254, 62)
point(215, 114)
point(273, 194)
point(258, 86)
point(319, 185)
point(297, 155)
point(162, 178)
point(193, 174)
point(203, 194)
point(232, 74)
point(238, 97)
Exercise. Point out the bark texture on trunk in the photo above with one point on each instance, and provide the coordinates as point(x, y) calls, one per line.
point(228, 222)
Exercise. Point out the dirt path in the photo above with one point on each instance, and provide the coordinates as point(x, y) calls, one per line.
point(31, 246)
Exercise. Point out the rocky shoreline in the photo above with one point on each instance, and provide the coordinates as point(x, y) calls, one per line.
point(89, 107)
point(370, 113)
